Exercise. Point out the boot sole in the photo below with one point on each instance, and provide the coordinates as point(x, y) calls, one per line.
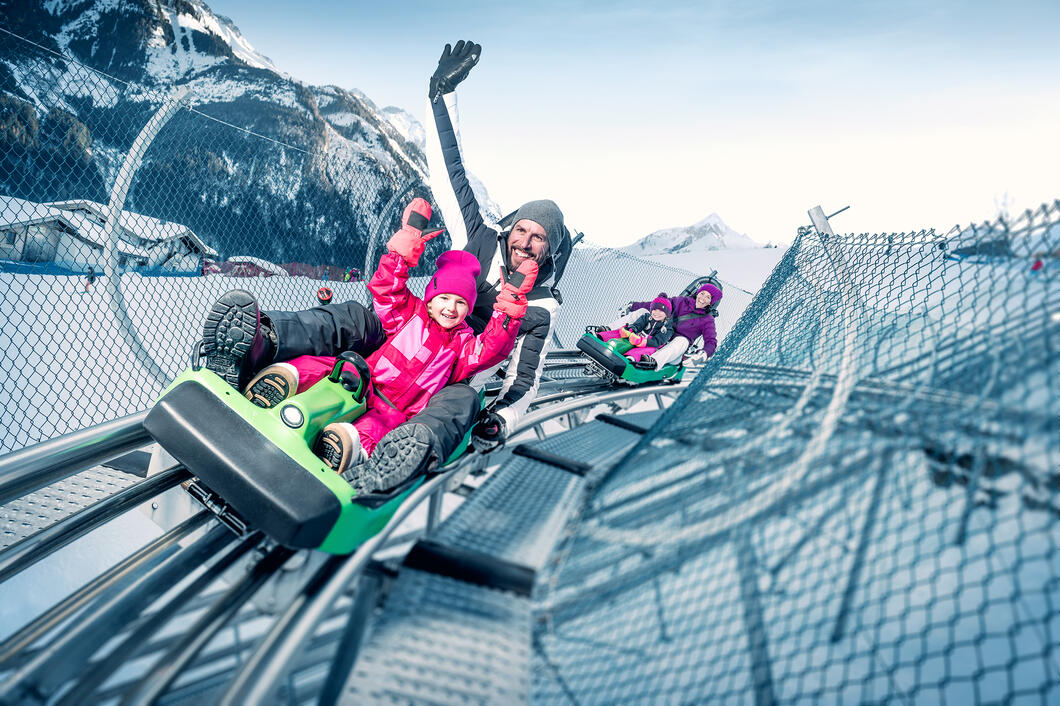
point(269, 391)
point(229, 333)
point(329, 448)
point(400, 455)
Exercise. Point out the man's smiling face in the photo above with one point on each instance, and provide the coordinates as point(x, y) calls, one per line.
point(527, 241)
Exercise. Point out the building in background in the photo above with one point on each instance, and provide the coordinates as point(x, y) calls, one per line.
point(72, 235)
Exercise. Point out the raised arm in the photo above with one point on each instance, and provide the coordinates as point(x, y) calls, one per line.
point(391, 298)
point(449, 182)
point(489, 348)
point(495, 343)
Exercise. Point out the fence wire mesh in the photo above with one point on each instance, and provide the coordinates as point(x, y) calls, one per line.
point(100, 306)
point(100, 309)
point(854, 502)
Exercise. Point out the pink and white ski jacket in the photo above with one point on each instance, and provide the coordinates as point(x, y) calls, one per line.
point(420, 357)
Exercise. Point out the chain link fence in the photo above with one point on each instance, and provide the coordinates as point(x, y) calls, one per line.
point(125, 210)
point(854, 502)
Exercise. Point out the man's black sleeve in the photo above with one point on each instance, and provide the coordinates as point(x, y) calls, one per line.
point(450, 186)
point(527, 361)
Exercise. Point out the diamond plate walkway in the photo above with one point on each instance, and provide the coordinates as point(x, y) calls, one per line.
point(457, 625)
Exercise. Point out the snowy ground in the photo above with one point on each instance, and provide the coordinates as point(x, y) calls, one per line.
point(72, 359)
point(747, 268)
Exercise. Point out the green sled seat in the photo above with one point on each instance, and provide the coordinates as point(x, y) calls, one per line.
point(609, 356)
point(258, 461)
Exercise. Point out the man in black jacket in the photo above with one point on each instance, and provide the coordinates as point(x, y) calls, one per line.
point(535, 230)
point(241, 340)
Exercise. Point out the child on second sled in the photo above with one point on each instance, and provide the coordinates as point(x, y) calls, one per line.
point(428, 342)
point(648, 332)
point(692, 318)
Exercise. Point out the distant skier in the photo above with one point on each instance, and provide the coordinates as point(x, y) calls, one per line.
point(90, 278)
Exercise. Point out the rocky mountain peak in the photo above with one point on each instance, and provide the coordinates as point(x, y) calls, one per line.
point(711, 233)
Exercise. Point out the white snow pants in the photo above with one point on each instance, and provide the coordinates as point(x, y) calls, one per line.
point(669, 353)
point(672, 351)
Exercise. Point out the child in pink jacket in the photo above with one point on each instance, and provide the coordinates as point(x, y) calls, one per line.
point(648, 333)
point(428, 343)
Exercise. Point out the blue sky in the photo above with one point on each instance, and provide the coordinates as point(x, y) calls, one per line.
point(635, 118)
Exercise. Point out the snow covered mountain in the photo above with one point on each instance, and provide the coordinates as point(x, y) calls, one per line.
point(413, 131)
point(334, 161)
point(711, 233)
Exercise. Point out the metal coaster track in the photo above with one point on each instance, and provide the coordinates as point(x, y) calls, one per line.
point(53, 658)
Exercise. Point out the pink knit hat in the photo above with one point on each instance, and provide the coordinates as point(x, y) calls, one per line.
point(661, 302)
point(714, 290)
point(457, 270)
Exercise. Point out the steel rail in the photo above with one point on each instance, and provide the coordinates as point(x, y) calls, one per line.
point(32, 468)
point(141, 633)
point(257, 681)
point(39, 545)
point(147, 556)
point(539, 417)
point(225, 660)
point(155, 645)
point(170, 666)
point(64, 657)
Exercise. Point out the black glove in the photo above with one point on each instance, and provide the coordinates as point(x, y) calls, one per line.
point(453, 67)
point(488, 431)
point(626, 309)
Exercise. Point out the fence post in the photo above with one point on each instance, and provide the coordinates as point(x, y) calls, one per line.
point(118, 194)
point(369, 258)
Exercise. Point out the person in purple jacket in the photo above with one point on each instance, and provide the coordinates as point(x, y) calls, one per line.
point(692, 319)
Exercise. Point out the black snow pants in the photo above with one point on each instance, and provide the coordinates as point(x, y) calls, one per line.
point(349, 326)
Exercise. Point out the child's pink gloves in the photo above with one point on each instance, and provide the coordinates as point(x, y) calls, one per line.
point(410, 241)
point(512, 299)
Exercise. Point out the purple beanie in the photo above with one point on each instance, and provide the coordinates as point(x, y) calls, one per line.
point(661, 302)
point(715, 292)
point(457, 270)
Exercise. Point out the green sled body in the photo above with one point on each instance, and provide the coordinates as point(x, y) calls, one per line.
point(259, 461)
point(609, 356)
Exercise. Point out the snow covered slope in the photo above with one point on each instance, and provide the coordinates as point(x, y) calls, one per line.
point(311, 191)
point(711, 233)
point(746, 268)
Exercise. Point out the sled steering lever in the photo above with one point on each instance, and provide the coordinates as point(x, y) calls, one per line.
point(364, 374)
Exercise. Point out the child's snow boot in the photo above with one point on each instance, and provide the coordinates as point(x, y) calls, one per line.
point(405, 452)
point(339, 445)
point(273, 385)
point(646, 362)
point(237, 341)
